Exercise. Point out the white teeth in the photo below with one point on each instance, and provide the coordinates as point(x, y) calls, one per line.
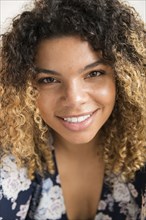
point(77, 119)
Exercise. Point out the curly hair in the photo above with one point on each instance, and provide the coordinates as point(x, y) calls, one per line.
point(111, 26)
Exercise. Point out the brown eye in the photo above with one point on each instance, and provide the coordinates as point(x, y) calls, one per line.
point(47, 80)
point(95, 74)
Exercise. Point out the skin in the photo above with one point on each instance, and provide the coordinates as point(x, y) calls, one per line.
point(72, 81)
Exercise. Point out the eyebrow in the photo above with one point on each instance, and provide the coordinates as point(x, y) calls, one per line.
point(89, 66)
point(96, 63)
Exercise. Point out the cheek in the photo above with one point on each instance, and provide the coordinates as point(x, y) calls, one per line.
point(45, 103)
point(107, 93)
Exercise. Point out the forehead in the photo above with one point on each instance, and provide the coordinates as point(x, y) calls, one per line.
point(63, 51)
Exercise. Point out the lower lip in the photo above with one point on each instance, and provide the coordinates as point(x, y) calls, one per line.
point(80, 125)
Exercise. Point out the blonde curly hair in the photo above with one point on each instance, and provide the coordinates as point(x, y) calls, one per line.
point(119, 32)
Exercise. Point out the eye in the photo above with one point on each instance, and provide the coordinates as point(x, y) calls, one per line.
point(95, 73)
point(47, 80)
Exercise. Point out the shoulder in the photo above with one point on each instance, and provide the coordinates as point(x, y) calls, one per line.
point(13, 179)
point(15, 189)
point(134, 189)
point(130, 197)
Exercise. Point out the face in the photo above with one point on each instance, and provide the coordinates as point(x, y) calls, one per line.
point(76, 89)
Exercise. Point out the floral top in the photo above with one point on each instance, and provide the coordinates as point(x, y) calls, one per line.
point(42, 199)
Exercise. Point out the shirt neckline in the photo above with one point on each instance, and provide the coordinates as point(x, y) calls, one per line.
point(105, 187)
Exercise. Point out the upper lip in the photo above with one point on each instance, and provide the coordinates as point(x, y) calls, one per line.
point(79, 115)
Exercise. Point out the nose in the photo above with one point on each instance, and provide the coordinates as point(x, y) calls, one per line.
point(74, 94)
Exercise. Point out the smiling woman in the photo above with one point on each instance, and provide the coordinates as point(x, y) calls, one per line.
point(76, 95)
point(72, 132)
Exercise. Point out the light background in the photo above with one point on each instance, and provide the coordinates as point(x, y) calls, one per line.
point(10, 8)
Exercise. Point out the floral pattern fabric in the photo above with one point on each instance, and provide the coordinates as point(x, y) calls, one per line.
point(42, 199)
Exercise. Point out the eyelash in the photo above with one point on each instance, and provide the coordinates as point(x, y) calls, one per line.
point(95, 73)
point(50, 80)
point(47, 80)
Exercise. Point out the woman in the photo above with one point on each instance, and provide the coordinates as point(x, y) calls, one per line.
point(72, 113)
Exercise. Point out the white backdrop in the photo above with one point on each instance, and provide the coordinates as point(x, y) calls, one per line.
point(10, 8)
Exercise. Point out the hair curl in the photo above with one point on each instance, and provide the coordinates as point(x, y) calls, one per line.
point(111, 26)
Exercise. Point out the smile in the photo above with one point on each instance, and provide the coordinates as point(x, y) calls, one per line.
point(77, 119)
point(78, 123)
